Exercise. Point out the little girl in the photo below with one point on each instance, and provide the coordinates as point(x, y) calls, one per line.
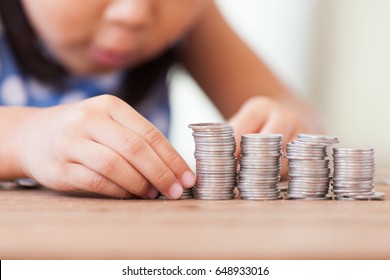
point(57, 58)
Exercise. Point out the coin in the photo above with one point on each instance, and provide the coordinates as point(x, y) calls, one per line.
point(372, 196)
point(27, 183)
point(318, 138)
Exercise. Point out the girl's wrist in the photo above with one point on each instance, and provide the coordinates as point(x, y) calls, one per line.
point(15, 125)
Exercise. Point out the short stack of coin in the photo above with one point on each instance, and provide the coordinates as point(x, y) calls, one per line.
point(354, 174)
point(309, 172)
point(187, 194)
point(260, 166)
point(216, 166)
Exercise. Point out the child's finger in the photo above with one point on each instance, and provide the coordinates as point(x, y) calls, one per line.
point(280, 123)
point(113, 166)
point(138, 153)
point(82, 178)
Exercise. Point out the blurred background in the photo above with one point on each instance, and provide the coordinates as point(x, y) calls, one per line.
point(333, 53)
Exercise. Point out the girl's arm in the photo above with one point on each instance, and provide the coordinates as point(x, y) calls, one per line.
point(99, 144)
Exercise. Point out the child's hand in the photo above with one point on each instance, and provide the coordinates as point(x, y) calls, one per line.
point(265, 115)
point(101, 145)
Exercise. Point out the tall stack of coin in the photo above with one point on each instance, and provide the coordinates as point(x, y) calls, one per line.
point(215, 148)
point(187, 194)
point(354, 174)
point(309, 172)
point(260, 166)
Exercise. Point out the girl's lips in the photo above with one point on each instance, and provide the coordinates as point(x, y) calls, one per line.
point(109, 58)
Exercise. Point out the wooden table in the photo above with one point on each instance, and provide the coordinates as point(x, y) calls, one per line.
point(43, 224)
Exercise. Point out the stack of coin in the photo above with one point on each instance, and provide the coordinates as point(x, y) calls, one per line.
point(354, 174)
point(187, 194)
point(215, 148)
point(260, 166)
point(309, 172)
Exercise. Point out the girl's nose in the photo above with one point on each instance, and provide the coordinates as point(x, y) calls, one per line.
point(129, 13)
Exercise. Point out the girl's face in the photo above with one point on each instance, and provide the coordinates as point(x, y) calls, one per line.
point(96, 36)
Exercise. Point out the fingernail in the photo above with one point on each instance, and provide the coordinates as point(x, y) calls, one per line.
point(175, 191)
point(153, 193)
point(188, 179)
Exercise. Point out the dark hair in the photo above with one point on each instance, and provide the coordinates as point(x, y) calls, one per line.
point(32, 61)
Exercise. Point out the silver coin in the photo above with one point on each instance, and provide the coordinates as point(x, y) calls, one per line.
point(356, 193)
point(305, 149)
point(256, 190)
point(27, 182)
point(213, 194)
point(209, 126)
point(308, 187)
point(352, 173)
point(356, 164)
point(374, 196)
point(217, 197)
point(310, 198)
point(302, 157)
point(315, 147)
point(309, 179)
point(352, 188)
point(216, 184)
point(318, 138)
point(354, 150)
point(352, 181)
point(309, 163)
point(352, 170)
point(306, 192)
point(258, 179)
point(261, 198)
point(257, 136)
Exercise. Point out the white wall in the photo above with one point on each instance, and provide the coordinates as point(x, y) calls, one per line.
point(280, 31)
point(354, 84)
